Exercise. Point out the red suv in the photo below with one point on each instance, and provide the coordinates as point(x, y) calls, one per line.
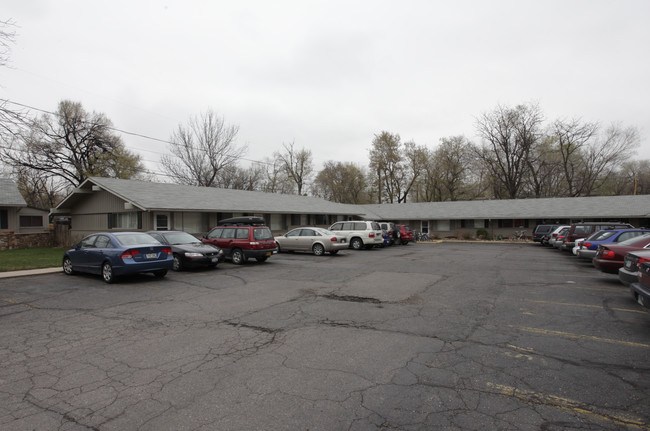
point(243, 238)
point(405, 234)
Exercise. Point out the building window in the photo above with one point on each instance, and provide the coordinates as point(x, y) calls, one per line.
point(161, 221)
point(321, 219)
point(295, 220)
point(31, 221)
point(126, 220)
point(424, 226)
point(443, 225)
point(4, 219)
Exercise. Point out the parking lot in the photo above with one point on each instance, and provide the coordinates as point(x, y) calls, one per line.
point(423, 336)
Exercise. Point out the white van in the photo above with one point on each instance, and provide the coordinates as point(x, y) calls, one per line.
point(359, 234)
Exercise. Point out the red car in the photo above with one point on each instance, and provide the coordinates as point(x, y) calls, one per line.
point(243, 238)
point(610, 257)
point(405, 234)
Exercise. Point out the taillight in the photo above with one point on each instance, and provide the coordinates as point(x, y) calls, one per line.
point(586, 244)
point(334, 239)
point(255, 244)
point(129, 254)
point(167, 250)
point(640, 261)
point(371, 235)
point(608, 254)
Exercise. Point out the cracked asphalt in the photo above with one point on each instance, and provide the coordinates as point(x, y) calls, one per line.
point(425, 336)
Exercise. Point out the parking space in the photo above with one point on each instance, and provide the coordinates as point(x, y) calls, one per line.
point(423, 336)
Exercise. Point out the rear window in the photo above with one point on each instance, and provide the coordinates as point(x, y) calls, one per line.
point(602, 235)
point(136, 238)
point(544, 228)
point(582, 229)
point(260, 233)
point(375, 226)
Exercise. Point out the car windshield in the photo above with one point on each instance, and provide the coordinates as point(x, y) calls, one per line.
point(136, 238)
point(176, 238)
point(261, 233)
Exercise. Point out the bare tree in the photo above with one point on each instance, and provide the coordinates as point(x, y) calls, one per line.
point(509, 135)
point(7, 39)
point(201, 150)
point(297, 165)
point(571, 139)
point(70, 145)
point(613, 147)
point(386, 165)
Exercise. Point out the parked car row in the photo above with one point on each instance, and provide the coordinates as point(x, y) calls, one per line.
point(615, 248)
point(113, 254)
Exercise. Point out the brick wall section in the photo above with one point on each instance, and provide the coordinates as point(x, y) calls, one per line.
point(10, 240)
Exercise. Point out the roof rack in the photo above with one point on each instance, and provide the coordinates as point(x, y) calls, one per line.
point(242, 221)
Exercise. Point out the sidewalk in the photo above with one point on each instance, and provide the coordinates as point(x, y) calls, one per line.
point(10, 274)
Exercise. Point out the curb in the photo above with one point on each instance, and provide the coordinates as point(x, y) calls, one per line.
point(11, 274)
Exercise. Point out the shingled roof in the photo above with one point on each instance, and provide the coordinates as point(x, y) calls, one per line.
point(150, 196)
point(9, 194)
point(613, 207)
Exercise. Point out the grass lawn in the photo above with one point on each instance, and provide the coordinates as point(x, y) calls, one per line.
point(30, 258)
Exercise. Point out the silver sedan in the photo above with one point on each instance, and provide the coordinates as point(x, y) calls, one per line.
point(312, 239)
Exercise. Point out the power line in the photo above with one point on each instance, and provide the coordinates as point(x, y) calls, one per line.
point(140, 135)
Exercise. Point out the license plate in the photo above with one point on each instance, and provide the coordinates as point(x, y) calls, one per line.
point(268, 253)
point(214, 259)
point(152, 255)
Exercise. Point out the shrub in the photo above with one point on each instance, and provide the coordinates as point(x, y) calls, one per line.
point(482, 234)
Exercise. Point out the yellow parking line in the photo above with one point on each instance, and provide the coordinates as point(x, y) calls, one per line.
point(13, 301)
point(630, 310)
point(580, 337)
point(565, 404)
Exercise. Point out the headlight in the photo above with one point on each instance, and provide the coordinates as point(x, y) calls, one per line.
point(188, 254)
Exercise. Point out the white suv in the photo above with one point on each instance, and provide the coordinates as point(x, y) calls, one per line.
point(359, 234)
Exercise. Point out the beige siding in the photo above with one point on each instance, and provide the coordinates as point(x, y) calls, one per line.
point(100, 202)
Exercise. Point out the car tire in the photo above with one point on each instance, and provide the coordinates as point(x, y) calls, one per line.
point(67, 266)
point(356, 243)
point(178, 265)
point(237, 257)
point(278, 246)
point(107, 273)
point(318, 249)
point(160, 274)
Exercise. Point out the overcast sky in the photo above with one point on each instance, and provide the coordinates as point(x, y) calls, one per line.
point(329, 75)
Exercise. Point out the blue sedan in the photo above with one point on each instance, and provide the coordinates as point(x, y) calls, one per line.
point(118, 253)
point(589, 247)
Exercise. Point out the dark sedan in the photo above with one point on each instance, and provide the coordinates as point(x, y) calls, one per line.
point(189, 252)
point(609, 257)
point(118, 253)
point(629, 272)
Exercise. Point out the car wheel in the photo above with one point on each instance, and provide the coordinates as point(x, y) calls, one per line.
point(356, 243)
point(237, 256)
point(107, 273)
point(67, 266)
point(278, 246)
point(318, 249)
point(334, 251)
point(261, 259)
point(178, 265)
point(160, 274)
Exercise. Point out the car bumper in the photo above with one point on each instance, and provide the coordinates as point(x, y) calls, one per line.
point(610, 266)
point(626, 276)
point(252, 254)
point(202, 261)
point(337, 246)
point(586, 253)
point(137, 267)
point(641, 294)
